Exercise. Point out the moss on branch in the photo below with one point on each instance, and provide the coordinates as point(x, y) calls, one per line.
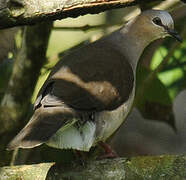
point(151, 168)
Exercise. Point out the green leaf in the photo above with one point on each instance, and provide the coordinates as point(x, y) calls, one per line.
point(173, 75)
point(153, 99)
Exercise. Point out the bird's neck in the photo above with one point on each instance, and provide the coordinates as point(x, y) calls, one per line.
point(131, 43)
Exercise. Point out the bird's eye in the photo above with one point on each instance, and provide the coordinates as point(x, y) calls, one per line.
point(157, 21)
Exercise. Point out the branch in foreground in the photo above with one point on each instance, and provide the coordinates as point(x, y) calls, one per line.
point(155, 167)
point(27, 12)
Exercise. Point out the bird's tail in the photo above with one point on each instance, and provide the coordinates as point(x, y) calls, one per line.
point(43, 124)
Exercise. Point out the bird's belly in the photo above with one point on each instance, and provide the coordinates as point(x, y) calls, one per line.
point(88, 134)
point(79, 138)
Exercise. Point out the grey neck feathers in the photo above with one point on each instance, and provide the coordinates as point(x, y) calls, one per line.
point(130, 43)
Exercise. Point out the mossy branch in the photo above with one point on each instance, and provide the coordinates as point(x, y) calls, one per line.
point(151, 168)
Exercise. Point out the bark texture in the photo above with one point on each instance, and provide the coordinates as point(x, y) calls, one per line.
point(151, 168)
point(27, 12)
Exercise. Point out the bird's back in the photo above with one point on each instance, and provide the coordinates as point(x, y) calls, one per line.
point(96, 77)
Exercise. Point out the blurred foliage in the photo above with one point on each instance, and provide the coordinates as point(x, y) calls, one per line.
point(5, 72)
point(7, 48)
point(154, 102)
point(174, 73)
point(156, 90)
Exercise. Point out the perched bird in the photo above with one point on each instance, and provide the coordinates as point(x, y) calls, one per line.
point(89, 93)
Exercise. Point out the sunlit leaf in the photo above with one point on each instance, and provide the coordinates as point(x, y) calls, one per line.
point(25, 172)
point(154, 102)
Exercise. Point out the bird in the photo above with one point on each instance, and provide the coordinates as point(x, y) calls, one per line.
point(89, 92)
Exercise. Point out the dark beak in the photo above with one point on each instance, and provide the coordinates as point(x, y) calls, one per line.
point(174, 34)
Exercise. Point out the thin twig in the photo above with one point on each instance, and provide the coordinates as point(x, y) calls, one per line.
point(86, 27)
point(14, 156)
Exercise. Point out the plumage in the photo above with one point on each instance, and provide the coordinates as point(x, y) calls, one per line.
point(89, 93)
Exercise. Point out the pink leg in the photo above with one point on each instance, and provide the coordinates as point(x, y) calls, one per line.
point(109, 153)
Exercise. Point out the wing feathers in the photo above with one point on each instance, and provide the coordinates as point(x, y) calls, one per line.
point(43, 124)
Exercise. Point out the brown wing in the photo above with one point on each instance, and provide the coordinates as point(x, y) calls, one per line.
point(96, 77)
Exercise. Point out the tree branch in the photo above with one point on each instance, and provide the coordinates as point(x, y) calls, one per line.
point(152, 167)
point(85, 28)
point(27, 12)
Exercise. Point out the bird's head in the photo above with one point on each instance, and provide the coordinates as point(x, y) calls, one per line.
point(156, 24)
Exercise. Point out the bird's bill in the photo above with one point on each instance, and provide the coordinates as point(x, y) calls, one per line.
point(174, 34)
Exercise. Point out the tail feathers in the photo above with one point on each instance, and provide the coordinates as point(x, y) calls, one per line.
point(43, 124)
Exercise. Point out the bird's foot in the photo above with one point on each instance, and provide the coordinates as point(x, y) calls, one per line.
point(109, 156)
point(109, 152)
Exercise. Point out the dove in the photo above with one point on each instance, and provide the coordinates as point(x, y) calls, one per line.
point(89, 93)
